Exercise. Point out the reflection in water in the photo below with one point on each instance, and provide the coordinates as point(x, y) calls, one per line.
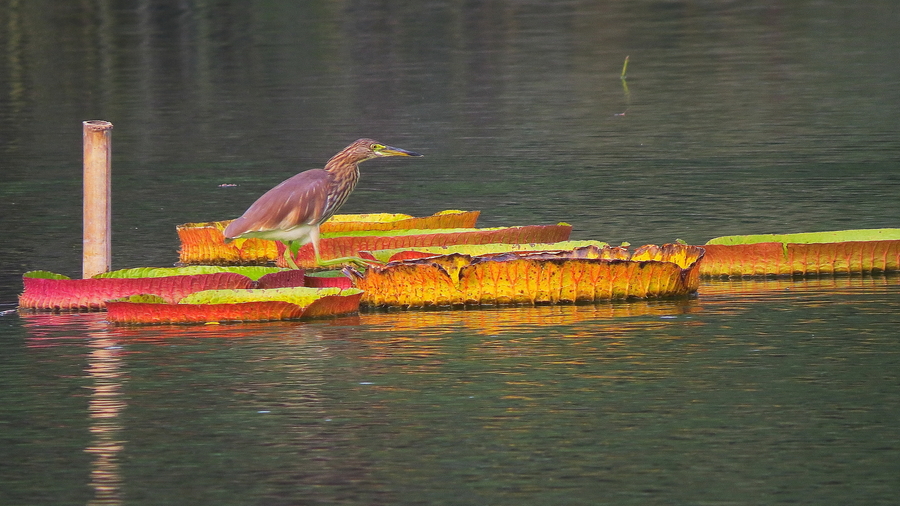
point(57, 329)
point(106, 401)
point(765, 288)
point(497, 320)
point(270, 380)
point(104, 408)
point(52, 329)
point(743, 384)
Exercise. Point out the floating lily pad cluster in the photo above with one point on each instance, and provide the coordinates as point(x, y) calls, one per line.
point(439, 260)
point(193, 294)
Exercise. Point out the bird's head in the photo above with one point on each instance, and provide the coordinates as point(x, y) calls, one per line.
point(367, 149)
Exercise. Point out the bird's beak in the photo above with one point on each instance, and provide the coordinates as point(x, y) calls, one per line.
point(392, 151)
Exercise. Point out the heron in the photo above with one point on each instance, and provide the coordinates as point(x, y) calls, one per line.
point(292, 211)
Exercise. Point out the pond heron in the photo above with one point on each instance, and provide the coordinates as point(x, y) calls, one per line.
point(293, 210)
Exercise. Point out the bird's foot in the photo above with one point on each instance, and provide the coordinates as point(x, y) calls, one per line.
point(354, 261)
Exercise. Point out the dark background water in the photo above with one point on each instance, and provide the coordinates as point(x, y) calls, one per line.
point(738, 118)
point(741, 117)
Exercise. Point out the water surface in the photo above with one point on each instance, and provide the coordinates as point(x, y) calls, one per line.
point(754, 393)
point(737, 118)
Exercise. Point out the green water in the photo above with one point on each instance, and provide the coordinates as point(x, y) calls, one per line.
point(779, 392)
point(739, 118)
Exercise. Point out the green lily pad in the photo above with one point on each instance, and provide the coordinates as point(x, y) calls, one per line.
point(44, 275)
point(876, 234)
point(253, 272)
point(301, 296)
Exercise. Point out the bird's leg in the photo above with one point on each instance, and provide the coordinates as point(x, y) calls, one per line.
point(359, 262)
point(289, 252)
point(314, 239)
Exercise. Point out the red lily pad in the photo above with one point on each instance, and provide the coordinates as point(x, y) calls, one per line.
point(326, 279)
point(44, 291)
point(236, 306)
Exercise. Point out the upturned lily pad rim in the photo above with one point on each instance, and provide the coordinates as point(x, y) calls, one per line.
point(835, 236)
point(386, 217)
point(39, 274)
point(254, 272)
point(485, 249)
point(427, 231)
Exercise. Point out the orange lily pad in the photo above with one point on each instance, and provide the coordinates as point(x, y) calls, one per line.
point(236, 305)
point(839, 252)
point(204, 243)
point(581, 275)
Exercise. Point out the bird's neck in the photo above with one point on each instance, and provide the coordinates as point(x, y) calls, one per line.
point(343, 171)
point(346, 175)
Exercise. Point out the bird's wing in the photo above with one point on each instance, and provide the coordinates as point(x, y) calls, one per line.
point(297, 201)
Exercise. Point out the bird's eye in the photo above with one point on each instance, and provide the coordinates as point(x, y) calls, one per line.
point(377, 147)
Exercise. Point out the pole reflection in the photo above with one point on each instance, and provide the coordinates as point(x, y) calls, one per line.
point(104, 409)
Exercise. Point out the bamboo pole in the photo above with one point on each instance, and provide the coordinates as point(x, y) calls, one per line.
point(96, 220)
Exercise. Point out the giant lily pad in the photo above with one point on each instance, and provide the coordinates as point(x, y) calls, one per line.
point(204, 243)
point(45, 291)
point(236, 305)
point(352, 243)
point(846, 251)
point(581, 275)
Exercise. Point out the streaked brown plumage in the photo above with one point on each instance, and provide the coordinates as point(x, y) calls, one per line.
point(293, 210)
